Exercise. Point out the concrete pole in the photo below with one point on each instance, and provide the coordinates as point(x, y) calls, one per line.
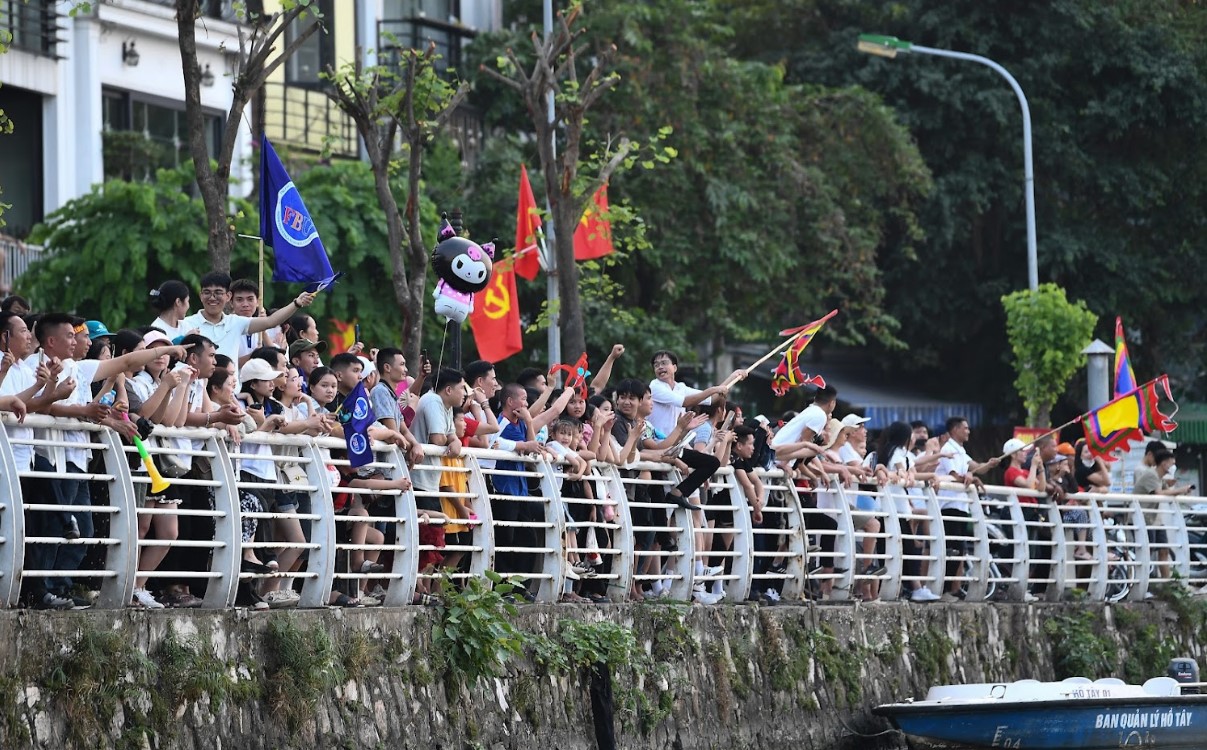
point(1098, 373)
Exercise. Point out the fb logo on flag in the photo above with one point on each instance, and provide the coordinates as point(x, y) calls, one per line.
point(361, 409)
point(357, 444)
point(292, 219)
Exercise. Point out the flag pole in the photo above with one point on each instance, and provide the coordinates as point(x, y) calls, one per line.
point(260, 288)
point(786, 343)
point(1082, 416)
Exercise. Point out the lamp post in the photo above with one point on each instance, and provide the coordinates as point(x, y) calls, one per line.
point(891, 46)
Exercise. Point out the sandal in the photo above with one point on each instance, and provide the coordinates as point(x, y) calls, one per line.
point(427, 600)
point(343, 600)
point(572, 598)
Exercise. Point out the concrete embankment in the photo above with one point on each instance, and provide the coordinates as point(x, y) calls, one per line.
point(671, 676)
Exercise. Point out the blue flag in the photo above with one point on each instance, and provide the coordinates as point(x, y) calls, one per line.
point(286, 226)
point(356, 415)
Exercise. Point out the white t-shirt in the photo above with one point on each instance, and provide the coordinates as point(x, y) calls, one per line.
point(958, 463)
point(560, 451)
point(813, 417)
point(173, 331)
point(226, 334)
point(668, 404)
point(903, 460)
point(84, 372)
point(21, 377)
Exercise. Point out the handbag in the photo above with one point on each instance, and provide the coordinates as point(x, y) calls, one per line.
point(592, 547)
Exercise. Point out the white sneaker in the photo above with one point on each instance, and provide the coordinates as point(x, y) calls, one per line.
point(370, 601)
point(378, 591)
point(144, 598)
point(280, 599)
point(571, 574)
point(1028, 597)
point(714, 570)
point(772, 595)
point(923, 595)
point(705, 598)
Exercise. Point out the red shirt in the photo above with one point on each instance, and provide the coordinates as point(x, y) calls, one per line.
point(1015, 473)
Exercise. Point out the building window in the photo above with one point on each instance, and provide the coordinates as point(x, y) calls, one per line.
point(32, 25)
point(143, 134)
point(312, 59)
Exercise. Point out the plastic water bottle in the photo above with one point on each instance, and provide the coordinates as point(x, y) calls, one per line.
point(109, 398)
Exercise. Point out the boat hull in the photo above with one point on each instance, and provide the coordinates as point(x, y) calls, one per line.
point(1159, 722)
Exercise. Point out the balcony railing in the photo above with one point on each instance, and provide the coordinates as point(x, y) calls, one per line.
point(395, 35)
point(15, 259)
point(33, 25)
point(305, 118)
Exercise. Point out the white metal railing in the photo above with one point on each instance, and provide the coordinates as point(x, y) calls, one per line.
point(15, 259)
point(835, 542)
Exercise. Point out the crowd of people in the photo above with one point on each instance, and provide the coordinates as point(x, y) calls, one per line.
point(237, 368)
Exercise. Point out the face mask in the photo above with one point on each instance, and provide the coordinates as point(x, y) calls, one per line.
point(1086, 463)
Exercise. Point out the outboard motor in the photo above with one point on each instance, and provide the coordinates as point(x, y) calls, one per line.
point(1184, 670)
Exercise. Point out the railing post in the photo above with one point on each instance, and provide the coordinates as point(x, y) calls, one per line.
point(482, 533)
point(12, 523)
point(743, 541)
point(1059, 551)
point(844, 545)
point(320, 560)
point(121, 558)
point(892, 585)
point(1020, 542)
point(1180, 540)
point(797, 552)
point(228, 529)
point(401, 591)
point(623, 564)
point(980, 549)
point(553, 564)
point(1097, 586)
point(1144, 560)
point(937, 570)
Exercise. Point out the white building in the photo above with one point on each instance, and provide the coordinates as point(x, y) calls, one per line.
point(101, 94)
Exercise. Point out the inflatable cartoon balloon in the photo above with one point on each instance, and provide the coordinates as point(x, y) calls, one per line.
point(464, 268)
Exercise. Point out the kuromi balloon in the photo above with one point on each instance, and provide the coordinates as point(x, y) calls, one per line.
point(464, 268)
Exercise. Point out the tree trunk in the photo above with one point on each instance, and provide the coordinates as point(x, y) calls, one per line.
point(212, 184)
point(566, 215)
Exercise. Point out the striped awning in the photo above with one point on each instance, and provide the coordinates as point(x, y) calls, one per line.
point(1192, 423)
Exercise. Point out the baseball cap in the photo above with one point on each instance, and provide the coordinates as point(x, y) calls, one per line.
point(1013, 445)
point(156, 337)
point(854, 420)
point(1065, 449)
point(96, 329)
point(305, 345)
point(1056, 459)
point(257, 369)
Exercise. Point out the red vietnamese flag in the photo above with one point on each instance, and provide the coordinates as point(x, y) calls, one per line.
point(593, 238)
point(495, 320)
point(527, 227)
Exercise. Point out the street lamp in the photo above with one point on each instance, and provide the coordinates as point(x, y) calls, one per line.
point(891, 46)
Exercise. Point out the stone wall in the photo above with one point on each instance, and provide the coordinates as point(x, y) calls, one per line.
point(717, 677)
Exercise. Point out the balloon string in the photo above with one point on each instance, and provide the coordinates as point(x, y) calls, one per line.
point(443, 341)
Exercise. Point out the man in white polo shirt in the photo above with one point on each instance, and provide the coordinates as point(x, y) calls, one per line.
point(672, 397)
point(228, 331)
point(955, 465)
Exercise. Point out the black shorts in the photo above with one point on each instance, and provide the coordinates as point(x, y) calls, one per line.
point(957, 523)
point(723, 517)
point(822, 522)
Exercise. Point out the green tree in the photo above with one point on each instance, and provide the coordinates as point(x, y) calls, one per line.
point(782, 202)
point(260, 54)
point(406, 107)
point(1118, 98)
point(1046, 334)
point(111, 246)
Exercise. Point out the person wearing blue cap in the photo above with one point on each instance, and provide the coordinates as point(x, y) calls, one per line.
point(97, 330)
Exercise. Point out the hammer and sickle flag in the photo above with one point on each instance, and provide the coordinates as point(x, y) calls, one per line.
point(495, 319)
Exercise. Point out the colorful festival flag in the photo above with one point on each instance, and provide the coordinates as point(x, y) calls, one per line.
point(1110, 426)
point(356, 414)
point(788, 374)
point(1125, 378)
point(286, 226)
point(576, 375)
point(495, 319)
point(527, 231)
point(593, 237)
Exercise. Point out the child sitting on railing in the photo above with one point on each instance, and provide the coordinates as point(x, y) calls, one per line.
point(562, 438)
